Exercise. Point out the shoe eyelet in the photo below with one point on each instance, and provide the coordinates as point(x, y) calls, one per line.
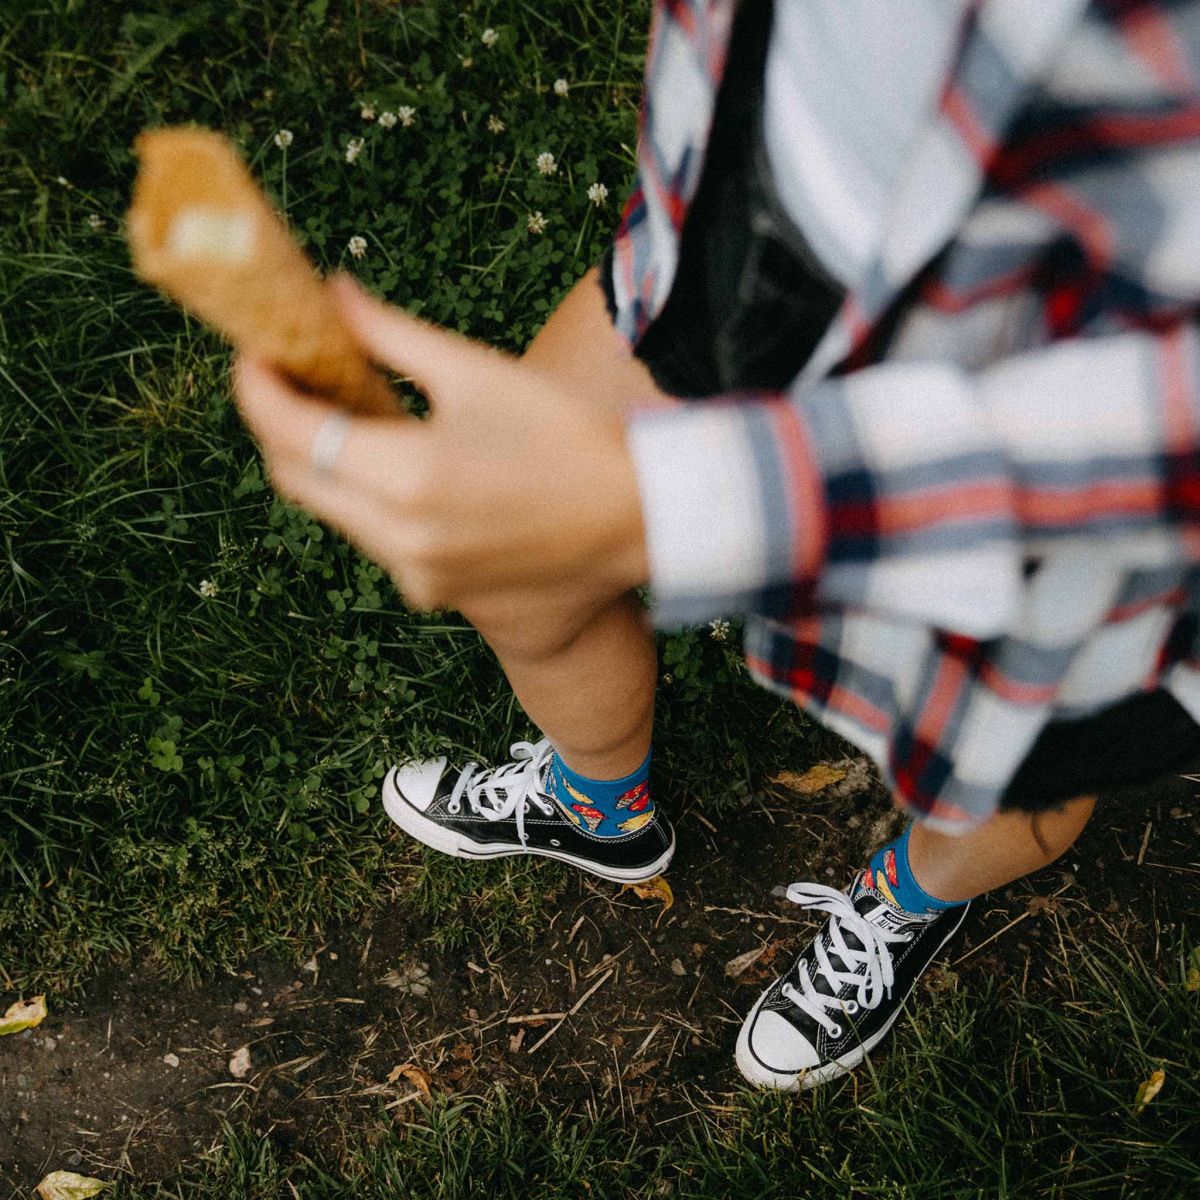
point(454, 808)
point(835, 1032)
point(851, 1007)
point(556, 843)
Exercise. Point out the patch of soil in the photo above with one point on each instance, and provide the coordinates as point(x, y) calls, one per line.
point(619, 1005)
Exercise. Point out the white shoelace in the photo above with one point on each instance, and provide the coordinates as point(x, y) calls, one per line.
point(869, 968)
point(507, 790)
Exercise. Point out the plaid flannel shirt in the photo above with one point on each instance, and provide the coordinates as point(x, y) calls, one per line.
point(978, 506)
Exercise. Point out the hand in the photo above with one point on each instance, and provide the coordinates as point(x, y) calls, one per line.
point(512, 486)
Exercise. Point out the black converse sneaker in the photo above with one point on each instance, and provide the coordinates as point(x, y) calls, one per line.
point(511, 809)
point(820, 1019)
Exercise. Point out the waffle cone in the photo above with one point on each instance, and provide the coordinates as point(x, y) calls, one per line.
point(202, 231)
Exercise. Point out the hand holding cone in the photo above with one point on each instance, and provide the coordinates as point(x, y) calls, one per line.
point(202, 231)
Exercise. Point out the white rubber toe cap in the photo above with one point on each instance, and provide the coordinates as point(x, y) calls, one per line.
point(773, 1053)
point(417, 782)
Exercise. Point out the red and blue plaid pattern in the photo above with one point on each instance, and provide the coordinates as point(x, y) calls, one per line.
point(978, 507)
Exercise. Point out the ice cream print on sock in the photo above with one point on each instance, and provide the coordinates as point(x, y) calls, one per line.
point(889, 874)
point(603, 807)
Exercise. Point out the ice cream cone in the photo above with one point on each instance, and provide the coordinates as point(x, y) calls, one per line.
point(202, 231)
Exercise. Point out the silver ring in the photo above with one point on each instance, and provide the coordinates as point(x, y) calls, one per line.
point(328, 442)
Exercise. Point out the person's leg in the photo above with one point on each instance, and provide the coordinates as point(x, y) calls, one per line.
point(583, 667)
point(1006, 848)
point(584, 673)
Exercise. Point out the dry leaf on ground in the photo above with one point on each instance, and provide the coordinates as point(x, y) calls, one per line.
point(814, 780)
point(415, 1075)
point(653, 889)
point(735, 966)
point(239, 1064)
point(66, 1185)
point(1148, 1090)
point(25, 1014)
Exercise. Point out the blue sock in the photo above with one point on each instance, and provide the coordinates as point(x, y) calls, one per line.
point(890, 874)
point(604, 807)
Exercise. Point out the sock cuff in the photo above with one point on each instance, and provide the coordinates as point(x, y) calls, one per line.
point(626, 781)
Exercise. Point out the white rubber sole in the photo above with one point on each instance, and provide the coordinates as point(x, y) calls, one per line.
point(754, 1072)
point(458, 845)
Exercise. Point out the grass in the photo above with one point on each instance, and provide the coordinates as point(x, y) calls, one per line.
point(200, 688)
point(987, 1096)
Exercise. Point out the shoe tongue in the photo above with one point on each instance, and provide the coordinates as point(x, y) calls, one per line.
point(875, 908)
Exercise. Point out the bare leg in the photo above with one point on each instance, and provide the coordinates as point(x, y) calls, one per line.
point(1010, 845)
point(584, 672)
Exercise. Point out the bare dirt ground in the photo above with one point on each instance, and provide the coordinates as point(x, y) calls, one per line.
point(617, 1004)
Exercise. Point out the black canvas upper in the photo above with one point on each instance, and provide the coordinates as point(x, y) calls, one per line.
point(553, 831)
point(909, 960)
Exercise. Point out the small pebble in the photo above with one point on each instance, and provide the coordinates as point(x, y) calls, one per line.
point(677, 967)
point(172, 1060)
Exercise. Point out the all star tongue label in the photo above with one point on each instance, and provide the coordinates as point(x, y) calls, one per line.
point(886, 917)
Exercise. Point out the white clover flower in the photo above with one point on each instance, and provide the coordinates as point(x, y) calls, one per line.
point(467, 61)
point(597, 194)
point(495, 125)
point(535, 223)
point(546, 163)
point(720, 630)
point(489, 38)
point(95, 221)
point(357, 246)
point(406, 115)
point(387, 119)
point(561, 87)
point(283, 139)
point(354, 147)
point(367, 112)
point(208, 589)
